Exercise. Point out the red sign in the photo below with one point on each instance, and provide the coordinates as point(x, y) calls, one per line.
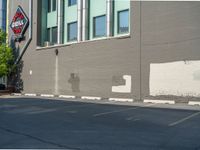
point(19, 23)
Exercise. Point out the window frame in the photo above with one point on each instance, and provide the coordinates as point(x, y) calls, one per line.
point(118, 22)
point(68, 31)
point(94, 27)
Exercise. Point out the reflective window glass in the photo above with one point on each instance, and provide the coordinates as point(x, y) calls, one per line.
point(49, 5)
point(99, 26)
point(54, 5)
point(72, 2)
point(72, 31)
point(54, 35)
point(123, 21)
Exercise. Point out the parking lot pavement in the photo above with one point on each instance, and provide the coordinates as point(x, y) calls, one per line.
point(48, 123)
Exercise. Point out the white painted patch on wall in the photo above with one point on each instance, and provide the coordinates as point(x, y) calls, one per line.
point(123, 88)
point(180, 78)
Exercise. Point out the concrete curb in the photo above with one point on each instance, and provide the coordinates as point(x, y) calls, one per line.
point(91, 98)
point(28, 94)
point(47, 95)
point(16, 94)
point(159, 101)
point(171, 102)
point(193, 103)
point(120, 99)
point(66, 96)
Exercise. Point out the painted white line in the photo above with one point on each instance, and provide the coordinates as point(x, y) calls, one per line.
point(184, 119)
point(121, 99)
point(66, 96)
point(28, 94)
point(91, 98)
point(47, 95)
point(159, 101)
point(17, 94)
point(121, 110)
point(193, 103)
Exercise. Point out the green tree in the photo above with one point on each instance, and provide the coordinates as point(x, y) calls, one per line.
point(6, 56)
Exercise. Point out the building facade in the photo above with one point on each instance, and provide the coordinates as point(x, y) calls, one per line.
point(3, 11)
point(3, 20)
point(107, 48)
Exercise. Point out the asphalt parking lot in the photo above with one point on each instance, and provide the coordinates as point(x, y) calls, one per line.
point(56, 124)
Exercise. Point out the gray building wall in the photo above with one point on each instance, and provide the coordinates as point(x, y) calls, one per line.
point(160, 32)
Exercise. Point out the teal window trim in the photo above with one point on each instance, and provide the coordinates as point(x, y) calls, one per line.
point(118, 21)
point(94, 26)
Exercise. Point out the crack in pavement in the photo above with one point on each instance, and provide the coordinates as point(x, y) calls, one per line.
point(38, 139)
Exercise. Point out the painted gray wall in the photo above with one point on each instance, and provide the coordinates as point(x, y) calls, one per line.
point(170, 33)
point(158, 34)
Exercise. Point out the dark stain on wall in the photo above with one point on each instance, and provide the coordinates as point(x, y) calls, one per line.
point(74, 80)
point(118, 80)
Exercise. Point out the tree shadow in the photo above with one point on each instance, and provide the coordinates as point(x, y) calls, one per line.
point(15, 82)
point(74, 80)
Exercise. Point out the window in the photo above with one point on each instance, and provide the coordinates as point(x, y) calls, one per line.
point(49, 5)
point(54, 35)
point(123, 21)
point(99, 29)
point(72, 2)
point(52, 4)
point(72, 31)
point(49, 34)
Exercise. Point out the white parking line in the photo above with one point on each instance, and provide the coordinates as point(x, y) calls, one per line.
point(184, 119)
point(121, 110)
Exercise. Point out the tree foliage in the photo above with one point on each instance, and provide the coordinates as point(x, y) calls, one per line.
point(6, 56)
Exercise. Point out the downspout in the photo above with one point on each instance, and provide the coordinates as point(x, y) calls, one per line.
point(109, 8)
point(7, 19)
point(79, 20)
point(85, 21)
point(60, 21)
point(30, 31)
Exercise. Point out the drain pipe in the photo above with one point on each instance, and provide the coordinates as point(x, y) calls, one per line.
point(109, 10)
